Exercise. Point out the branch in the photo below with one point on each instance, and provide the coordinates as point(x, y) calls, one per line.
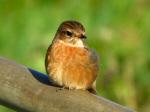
point(27, 90)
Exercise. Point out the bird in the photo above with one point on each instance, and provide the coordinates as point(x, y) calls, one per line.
point(69, 62)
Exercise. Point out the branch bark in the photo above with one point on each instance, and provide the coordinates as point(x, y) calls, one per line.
point(27, 90)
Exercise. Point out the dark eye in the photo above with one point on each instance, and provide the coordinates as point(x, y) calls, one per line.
point(68, 33)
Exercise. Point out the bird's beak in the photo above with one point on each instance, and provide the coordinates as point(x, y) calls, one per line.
point(82, 37)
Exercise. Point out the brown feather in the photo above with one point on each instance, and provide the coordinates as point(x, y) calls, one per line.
point(69, 62)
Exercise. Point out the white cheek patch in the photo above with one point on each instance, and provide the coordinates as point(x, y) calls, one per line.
point(78, 43)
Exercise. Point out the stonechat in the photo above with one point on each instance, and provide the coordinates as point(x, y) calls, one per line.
point(69, 62)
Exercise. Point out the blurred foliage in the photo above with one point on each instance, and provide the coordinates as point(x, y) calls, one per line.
point(117, 29)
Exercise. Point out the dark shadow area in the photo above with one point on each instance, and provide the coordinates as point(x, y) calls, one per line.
point(43, 78)
point(14, 107)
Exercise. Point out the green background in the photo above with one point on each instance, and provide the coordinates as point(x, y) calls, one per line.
point(119, 30)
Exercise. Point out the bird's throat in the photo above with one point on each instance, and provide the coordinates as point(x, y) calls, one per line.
point(78, 43)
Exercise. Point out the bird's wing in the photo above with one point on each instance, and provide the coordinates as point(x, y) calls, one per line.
point(46, 57)
point(94, 56)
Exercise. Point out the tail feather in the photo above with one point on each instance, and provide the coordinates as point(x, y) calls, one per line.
point(92, 89)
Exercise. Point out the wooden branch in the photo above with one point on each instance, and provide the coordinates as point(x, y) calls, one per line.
point(27, 90)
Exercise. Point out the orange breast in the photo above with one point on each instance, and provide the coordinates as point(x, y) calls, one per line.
point(72, 67)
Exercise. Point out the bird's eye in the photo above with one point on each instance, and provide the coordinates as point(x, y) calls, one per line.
point(68, 33)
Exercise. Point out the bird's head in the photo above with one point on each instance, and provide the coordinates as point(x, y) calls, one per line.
point(71, 33)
